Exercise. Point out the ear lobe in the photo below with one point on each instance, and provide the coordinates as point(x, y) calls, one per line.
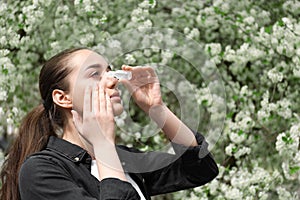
point(62, 99)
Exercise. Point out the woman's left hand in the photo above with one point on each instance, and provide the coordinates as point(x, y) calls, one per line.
point(144, 87)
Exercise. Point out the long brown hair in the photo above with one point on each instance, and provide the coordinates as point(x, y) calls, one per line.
point(41, 123)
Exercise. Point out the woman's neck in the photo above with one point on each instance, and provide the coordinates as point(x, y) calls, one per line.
point(71, 134)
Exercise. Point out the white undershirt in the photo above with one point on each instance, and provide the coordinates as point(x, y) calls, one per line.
point(94, 172)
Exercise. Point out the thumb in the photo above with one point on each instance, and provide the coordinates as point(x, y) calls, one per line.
point(131, 88)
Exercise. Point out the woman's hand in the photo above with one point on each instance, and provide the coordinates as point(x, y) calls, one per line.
point(96, 126)
point(144, 87)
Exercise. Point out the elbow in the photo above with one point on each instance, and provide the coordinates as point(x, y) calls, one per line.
point(203, 171)
point(214, 169)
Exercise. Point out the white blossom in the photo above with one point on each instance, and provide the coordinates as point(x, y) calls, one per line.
point(230, 148)
point(130, 59)
point(148, 23)
point(193, 34)
point(262, 114)
point(213, 48)
point(284, 194)
point(242, 151)
point(3, 95)
point(283, 108)
point(236, 138)
point(263, 195)
point(275, 75)
point(213, 186)
point(249, 20)
point(114, 44)
point(234, 193)
point(296, 71)
point(287, 22)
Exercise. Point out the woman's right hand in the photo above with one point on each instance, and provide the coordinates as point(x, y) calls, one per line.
point(96, 125)
point(97, 128)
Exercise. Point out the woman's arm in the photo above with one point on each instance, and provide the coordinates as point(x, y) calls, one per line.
point(145, 89)
point(172, 126)
point(192, 165)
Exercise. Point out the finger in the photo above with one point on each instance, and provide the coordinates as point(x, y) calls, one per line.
point(151, 70)
point(144, 80)
point(109, 107)
point(87, 101)
point(126, 67)
point(95, 99)
point(146, 71)
point(102, 99)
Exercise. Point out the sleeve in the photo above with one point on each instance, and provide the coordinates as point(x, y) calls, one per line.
point(43, 179)
point(194, 167)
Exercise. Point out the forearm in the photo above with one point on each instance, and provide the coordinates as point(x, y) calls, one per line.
point(108, 162)
point(172, 126)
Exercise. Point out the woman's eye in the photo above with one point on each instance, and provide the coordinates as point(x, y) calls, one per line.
point(95, 74)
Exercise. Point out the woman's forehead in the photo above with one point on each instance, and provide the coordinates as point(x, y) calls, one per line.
point(85, 58)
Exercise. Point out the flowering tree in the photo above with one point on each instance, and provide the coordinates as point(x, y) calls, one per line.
point(255, 46)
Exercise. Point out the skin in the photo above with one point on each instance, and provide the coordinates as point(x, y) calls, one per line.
point(93, 101)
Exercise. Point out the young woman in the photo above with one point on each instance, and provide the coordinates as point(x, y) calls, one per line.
point(66, 146)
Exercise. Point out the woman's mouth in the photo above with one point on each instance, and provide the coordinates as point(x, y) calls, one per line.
point(115, 97)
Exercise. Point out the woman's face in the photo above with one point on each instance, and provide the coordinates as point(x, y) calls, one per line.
point(91, 68)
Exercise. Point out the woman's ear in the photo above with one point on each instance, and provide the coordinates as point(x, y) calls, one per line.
point(62, 99)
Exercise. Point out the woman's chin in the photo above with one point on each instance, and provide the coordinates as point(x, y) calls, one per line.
point(117, 109)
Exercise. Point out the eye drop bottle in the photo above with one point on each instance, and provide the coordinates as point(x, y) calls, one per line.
point(120, 74)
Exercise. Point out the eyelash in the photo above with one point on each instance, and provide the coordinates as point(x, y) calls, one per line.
point(96, 73)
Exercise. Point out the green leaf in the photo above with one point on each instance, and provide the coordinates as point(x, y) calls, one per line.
point(209, 50)
point(287, 139)
point(234, 149)
point(240, 132)
point(239, 18)
point(230, 115)
point(204, 102)
point(21, 25)
point(235, 97)
point(280, 23)
point(294, 169)
point(219, 11)
point(222, 54)
point(256, 93)
point(4, 71)
point(268, 29)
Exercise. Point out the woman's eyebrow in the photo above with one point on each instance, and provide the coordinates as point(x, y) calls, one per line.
point(97, 66)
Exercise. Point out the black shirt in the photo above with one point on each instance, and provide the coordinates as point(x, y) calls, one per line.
point(62, 171)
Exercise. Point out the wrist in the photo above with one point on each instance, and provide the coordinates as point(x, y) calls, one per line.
point(104, 145)
point(101, 139)
point(159, 114)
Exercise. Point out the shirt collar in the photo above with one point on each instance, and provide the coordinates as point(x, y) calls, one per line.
point(68, 150)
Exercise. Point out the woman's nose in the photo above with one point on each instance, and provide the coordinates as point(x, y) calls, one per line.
point(111, 82)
